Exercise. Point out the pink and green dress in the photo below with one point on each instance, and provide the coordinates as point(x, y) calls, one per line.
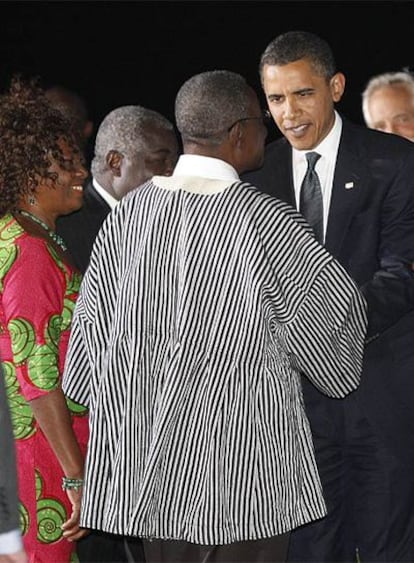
point(38, 290)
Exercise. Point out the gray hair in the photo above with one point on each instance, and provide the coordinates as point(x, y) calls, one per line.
point(125, 129)
point(295, 45)
point(381, 80)
point(209, 103)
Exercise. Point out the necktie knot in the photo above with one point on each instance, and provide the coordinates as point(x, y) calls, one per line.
point(312, 158)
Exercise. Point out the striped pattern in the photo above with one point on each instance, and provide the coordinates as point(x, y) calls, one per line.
point(195, 318)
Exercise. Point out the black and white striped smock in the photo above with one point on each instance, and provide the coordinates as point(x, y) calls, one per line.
point(196, 315)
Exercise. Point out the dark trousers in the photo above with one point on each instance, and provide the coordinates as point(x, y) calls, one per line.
point(271, 550)
point(99, 547)
point(368, 491)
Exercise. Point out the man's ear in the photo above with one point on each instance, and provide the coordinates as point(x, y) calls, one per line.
point(236, 134)
point(337, 85)
point(114, 161)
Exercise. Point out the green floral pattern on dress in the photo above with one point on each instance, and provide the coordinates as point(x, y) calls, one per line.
point(8, 253)
point(53, 331)
point(42, 367)
point(72, 288)
point(24, 519)
point(75, 408)
point(41, 358)
point(7, 257)
point(22, 339)
point(21, 414)
point(51, 514)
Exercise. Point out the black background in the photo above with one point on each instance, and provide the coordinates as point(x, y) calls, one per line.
point(117, 53)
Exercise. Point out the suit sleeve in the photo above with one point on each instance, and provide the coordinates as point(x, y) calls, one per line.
point(390, 292)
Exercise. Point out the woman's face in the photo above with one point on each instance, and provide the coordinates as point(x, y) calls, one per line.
point(63, 194)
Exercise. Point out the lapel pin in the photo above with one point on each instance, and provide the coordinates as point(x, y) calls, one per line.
point(349, 185)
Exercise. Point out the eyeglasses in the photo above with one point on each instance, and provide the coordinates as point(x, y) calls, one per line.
point(265, 118)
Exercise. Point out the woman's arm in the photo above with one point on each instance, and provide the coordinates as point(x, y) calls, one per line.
point(54, 419)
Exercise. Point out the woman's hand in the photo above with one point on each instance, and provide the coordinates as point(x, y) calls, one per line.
point(71, 529)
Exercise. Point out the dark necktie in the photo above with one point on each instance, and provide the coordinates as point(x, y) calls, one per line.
point(311, 206)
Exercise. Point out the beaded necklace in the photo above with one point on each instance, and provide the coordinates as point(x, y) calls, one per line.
point(54, 236)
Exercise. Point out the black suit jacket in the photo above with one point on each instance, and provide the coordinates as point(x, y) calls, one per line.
point(79, 229)
point(370, 231)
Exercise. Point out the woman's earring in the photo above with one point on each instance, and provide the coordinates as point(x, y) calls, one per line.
point(32, 200)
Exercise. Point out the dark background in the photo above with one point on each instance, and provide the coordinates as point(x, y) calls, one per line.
point(116, 53)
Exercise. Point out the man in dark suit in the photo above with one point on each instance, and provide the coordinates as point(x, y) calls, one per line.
point(364, 444)
point(132, 144)
point(11, 545)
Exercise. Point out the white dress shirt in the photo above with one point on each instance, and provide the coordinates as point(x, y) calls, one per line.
point(325, 166)
point(110, 200)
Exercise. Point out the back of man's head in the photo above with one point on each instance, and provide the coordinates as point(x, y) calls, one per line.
point(208, 104)
point(218, 115)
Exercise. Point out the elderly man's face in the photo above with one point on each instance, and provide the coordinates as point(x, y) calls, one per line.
point(391, 109)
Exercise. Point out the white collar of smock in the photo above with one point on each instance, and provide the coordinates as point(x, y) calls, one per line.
point(199, 174)
point(110, 200)
point(204, 166)
point(327, 148)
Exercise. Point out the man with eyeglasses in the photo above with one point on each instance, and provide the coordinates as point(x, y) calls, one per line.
point(203, 301)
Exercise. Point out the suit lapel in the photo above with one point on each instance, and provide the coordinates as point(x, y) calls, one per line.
point(346, 195)
point(94, 197)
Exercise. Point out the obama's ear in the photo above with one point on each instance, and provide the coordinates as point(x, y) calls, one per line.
point(337, 85)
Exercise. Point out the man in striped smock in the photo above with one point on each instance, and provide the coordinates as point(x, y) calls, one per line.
point(203, 302)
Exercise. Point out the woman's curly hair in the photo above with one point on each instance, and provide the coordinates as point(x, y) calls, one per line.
point(30, 129)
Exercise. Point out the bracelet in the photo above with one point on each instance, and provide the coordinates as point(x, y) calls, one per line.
point(71, 484)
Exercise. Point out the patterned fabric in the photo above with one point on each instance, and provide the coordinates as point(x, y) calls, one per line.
point(196, 315)
point(37, 298)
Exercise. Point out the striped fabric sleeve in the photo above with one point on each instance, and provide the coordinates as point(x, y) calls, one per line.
point(323, 311)
point(327, 336)
point(100, 276)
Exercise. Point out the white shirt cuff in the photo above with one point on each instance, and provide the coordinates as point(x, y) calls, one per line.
point(11, 542)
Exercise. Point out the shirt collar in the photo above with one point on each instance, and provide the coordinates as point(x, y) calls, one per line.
point(205, 167)
point(110, 200)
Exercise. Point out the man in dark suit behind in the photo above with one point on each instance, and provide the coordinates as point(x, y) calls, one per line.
point(364, 444)
point(132, 144)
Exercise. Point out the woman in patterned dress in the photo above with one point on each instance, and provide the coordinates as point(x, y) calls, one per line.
point(41, 177)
